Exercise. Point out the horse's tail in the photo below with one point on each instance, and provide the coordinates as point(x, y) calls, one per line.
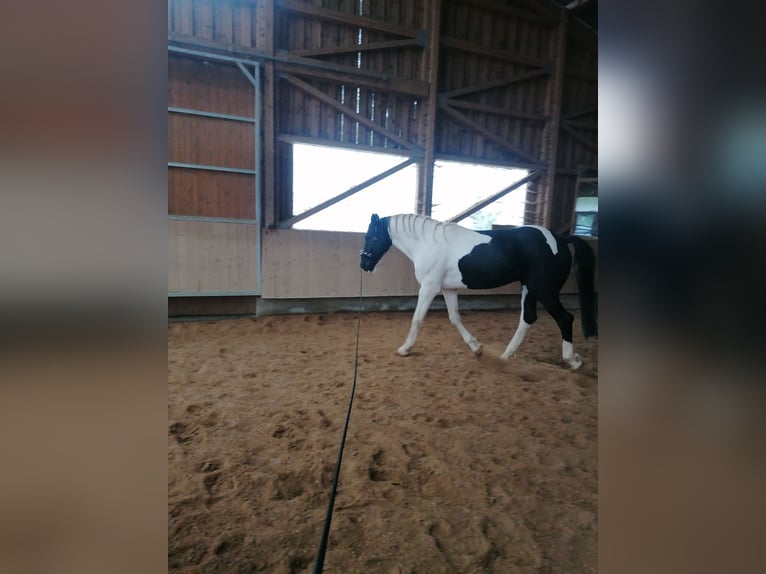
point(585, 271)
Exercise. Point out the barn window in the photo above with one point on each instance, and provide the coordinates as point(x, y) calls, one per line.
point(321, 173)
point(458, 186)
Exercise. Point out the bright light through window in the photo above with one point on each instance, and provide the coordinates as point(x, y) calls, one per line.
point(458, 186)
point(321, 172)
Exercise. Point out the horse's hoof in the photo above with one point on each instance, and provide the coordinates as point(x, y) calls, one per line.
point(403, 352)
point(575, 362)
point(477, 351)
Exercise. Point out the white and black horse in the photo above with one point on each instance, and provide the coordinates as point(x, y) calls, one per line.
point(447, 257)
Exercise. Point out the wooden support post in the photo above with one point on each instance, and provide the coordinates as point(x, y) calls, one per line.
point(428, 120)
point(551, 137)
point(264, 16)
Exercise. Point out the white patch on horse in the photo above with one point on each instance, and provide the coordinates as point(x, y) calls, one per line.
point(424, 245)
point(548, 237)
point(567, 351)
point(521, 331)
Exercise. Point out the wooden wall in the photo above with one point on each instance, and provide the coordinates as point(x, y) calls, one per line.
point(302, 264)
point(210, 257)
point(369, 74)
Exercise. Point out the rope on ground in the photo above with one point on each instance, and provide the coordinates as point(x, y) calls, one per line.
point(319, 564)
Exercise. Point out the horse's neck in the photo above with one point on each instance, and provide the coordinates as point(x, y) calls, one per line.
point(412, 234)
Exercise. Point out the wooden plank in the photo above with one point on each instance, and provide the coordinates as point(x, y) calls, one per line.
point(203, 19)
point(504, 55)
point(484, 132)
point(582, 125)
point(216, 88)
point(210, 141)
point(496, 110)
point(489, 162)
point(210, 194)
point(185, 14)
point(580, 112)
point(500, 82)
point(308, 89)
point(546, 9)
point(343, 145)
point(582, 73)
point(342, 18)
point(591, 145)
point(347, 35)
point(243, 33)
point(353, 48)
point(212, 256)
point(224, 23)
point(506, 10)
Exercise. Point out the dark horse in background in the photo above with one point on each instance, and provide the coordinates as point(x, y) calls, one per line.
point(447, 257)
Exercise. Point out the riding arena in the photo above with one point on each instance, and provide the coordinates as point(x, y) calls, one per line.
point(360, 385)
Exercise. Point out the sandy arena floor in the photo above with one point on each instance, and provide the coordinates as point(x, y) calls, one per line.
point(453, 464)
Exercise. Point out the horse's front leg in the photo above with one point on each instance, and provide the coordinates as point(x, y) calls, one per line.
point(425, 296)
point(450, 298)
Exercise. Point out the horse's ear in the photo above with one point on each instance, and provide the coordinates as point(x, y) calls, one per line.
point(374, 218)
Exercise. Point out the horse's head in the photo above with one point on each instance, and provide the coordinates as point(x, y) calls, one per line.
point(376, 243)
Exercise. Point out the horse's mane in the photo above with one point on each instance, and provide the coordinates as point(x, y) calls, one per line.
point(424, 228)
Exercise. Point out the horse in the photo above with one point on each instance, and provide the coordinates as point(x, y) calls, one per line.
point(447, 257)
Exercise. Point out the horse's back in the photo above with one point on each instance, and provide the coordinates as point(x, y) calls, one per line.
point(516, 254)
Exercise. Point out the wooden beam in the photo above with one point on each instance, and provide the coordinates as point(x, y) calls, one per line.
point(582, 125)
point(494, 197)
point(578, 113)
point(551, 138)
point(352, 49)
point(497, 83)
point(491, 163)
point(497, 54)
point(428, 125)
point(392, 85)
point(344, 18)
point(322, 97)
point(312, 67)
point(497, 110)
point(593, 146)
point(548, 9)
point(582, 73)
point(507, 10)
point(485, 133)
point(249, 54)
point(292, 139)
point(348, 193)
point(266, 213)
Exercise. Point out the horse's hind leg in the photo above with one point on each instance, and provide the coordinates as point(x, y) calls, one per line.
point(425, 296)
point(564, 319)
point(527, 317)
point(450, 298)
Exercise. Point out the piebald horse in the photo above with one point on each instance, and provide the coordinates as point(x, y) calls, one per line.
point(448, 257)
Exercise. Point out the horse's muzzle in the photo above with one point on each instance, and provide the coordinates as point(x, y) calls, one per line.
point(365, 261)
